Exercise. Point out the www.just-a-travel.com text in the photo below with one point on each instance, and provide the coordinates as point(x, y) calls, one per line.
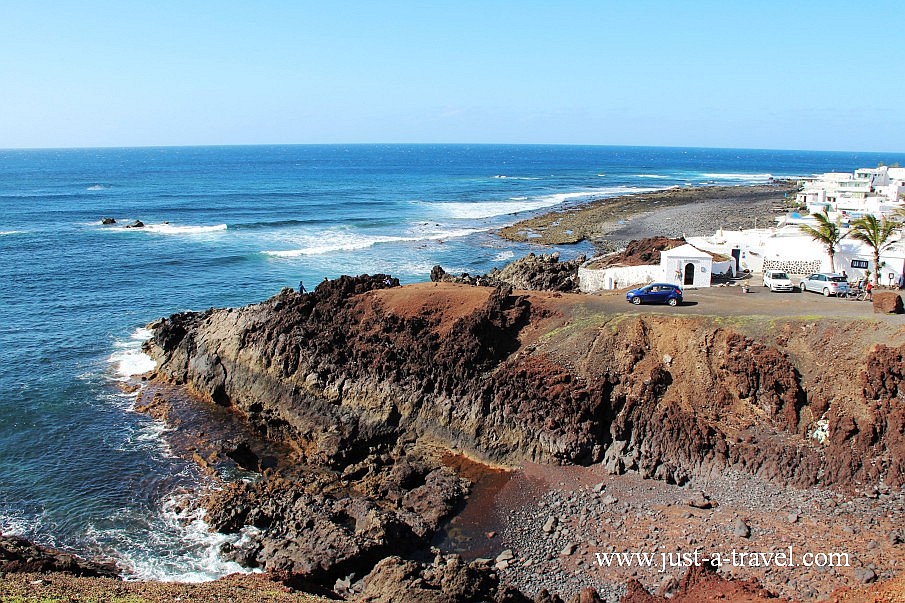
point(662, 561)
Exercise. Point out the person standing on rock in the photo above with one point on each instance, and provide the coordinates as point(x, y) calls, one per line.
point(302, 287)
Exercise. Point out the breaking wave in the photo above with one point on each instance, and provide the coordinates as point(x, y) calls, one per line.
point(332, 241)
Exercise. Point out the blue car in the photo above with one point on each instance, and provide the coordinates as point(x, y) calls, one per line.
point(655, 293)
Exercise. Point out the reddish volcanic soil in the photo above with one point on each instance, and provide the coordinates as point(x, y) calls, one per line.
point(598, 513)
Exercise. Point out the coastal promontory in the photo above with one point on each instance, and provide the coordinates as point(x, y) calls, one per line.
point(376, 390)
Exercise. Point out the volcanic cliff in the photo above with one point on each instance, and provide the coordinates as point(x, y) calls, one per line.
point(367, 381)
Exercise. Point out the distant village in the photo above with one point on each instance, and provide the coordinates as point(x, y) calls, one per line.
point(843, 223)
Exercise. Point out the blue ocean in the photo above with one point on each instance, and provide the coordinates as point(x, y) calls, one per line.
point(226, 226)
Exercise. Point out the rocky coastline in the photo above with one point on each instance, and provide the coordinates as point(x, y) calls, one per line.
point(365, 417)
point(678, 212)
point(369, 387)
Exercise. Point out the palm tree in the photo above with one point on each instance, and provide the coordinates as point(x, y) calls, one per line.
point(826, 232)
point(877, 234)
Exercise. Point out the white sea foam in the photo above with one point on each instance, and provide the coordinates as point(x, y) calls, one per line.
point(178, 546)
point(12, 525)
point(654, 176)
point(96, 187)
point(474, 210)
point(344, 240)
point(128, 360)
point(503, 177)
point(170, 229)
point(503, 256)
point(746, 177)
point(9, 232)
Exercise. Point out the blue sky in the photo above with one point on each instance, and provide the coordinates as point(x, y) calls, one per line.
point(787, 75)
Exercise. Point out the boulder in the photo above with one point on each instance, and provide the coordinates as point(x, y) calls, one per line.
point(888, 302)
point(106, 221)
point(447, 580)
point(587, 595)
point(532, 273)
point(136, 224)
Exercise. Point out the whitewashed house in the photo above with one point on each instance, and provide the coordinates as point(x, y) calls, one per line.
point(845, 196)
point(686, 266)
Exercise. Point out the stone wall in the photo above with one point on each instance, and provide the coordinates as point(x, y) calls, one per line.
point(796, 267)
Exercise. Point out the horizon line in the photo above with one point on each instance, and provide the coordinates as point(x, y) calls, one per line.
point(460, 144)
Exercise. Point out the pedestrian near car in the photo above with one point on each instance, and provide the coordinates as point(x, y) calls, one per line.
point(869, 288)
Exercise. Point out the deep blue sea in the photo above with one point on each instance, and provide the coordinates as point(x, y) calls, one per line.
point(228, 226)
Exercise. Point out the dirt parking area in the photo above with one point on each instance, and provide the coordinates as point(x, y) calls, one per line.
point(759, 301)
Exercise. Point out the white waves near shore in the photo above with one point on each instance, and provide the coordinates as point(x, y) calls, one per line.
point(341, 240)
point(177, 545)
point(740, 177)
point(170, 229)
point(128, 360)
point(473, 210)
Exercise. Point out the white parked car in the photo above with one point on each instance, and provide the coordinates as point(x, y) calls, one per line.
point(777, 280)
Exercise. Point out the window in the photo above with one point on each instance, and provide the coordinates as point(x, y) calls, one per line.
point(859, 263)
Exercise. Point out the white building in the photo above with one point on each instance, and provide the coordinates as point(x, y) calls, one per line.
point(794, 252)
point(686, 266)
point(845, 196)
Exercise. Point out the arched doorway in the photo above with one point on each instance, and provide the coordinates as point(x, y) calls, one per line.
point(689, 274)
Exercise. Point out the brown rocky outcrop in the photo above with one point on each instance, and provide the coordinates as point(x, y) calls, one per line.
point(317, 528)
point(702, 585)
point(18, 555)
point(353, 367)
point(448, 579)
point(639, 252)
point(358, 372)
point(887, 302)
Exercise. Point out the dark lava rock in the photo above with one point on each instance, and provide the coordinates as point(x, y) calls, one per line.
point(243, 455)
point(136, 224)
point(20, 555)
point(106, 221)
point(314, 529)
point(531, 273)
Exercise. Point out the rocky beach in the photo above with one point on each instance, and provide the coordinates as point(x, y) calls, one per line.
point(676, 212)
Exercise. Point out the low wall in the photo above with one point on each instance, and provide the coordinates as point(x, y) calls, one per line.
point(795, 267)
point(721, 268)
point(618, 277)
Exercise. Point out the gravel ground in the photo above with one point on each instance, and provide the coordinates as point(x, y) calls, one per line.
point(558, 518)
